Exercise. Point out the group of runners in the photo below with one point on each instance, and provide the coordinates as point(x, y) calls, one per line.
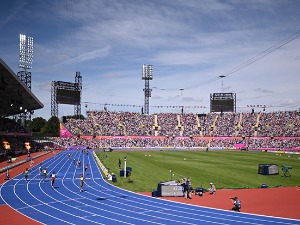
point(43, 171)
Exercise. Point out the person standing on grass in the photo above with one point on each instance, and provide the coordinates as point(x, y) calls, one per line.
point(44, 174)
point(53, 176)
point(26, 174)
point(82, 179)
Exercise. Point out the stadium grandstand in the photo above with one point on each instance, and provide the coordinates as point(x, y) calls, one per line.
point(16, 99)
point(265, 131)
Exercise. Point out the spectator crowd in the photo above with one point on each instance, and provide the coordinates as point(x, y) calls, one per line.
point(212, 130)
point(111, 129)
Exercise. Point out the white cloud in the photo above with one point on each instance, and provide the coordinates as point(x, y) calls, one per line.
point(190, 44)
point(98, 53)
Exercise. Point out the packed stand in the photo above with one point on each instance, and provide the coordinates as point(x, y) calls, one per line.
point(279, 124)
point(109, 123)
point(247, 127)
point(174, 130)
point(226, 125)
point(190, 124)
point(207, 124)
point(168, 124)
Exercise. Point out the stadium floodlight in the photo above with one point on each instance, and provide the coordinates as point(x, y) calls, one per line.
point(26, 52)
point(147, 75)
point(147, 72)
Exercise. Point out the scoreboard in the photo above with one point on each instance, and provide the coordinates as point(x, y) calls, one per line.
point(71, 97)
point(223, 102)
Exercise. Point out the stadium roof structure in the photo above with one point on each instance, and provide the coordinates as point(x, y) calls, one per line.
point(14, 94)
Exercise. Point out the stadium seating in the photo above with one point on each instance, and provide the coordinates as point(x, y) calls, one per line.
point(275, 130)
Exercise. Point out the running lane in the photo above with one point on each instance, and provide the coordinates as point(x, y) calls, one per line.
point(102, 203)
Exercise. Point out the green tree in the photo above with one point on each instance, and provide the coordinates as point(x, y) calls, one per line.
point(37, 124)
point(51, 128)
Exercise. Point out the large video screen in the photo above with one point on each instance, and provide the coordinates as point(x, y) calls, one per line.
point(222, 105)
point(71, 97)
point(222, 102)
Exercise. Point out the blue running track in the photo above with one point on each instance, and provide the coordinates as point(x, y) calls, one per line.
point(103, 203)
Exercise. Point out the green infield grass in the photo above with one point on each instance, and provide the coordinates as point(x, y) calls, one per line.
point(226, 169)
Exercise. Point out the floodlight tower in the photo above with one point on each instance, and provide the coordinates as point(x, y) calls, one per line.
point(25, 62)
point(26, 59)
point(147, 75)
point(78, 87)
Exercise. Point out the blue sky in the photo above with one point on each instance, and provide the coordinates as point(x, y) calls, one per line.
point(189, 43)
